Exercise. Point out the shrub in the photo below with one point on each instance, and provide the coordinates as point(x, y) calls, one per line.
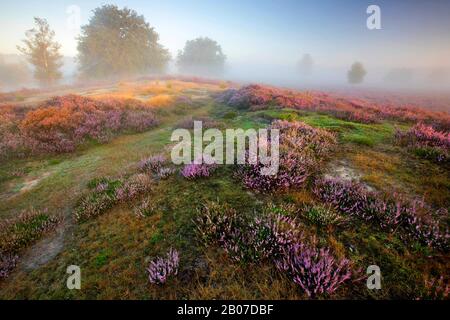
point(134, 186)
point(436, 289)
point(165, 172)
point(230, 115)
point(23, 230)
point(8, 263)
point(274, 238)
point(322, 215)
point(245, 240)
point(193, 171)
point(257, 97)
point(161, 268)
point(105, 193)
point(93, 205)
point(161, 100)
point(152, 164)
point(415, 218)
point(63, 123)
point(144, 209)
point(426, 142)
point(315, 270)
point(302, 149)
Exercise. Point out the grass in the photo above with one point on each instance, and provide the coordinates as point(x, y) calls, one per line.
point(113, 250)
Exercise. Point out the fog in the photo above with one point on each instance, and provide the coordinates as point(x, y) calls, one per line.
point(302, 45)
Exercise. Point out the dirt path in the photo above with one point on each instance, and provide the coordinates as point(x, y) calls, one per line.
point(46, 249)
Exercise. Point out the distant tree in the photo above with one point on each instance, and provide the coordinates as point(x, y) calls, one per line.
point(201, 55)
point(42, 51)
point(305, 64)
point(356, 73)
point(119, 42)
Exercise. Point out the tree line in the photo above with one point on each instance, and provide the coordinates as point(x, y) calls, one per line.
point(119, 42)
point(115, 43)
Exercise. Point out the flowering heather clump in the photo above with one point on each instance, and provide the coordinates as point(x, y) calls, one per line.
point(193, 171)
point(161, 268)
point(144, 209)
point(261, 239)
point(165, 172)
point(133, 187)
point(415, 218)
point(245, 240)
point(105, 193)
point(322, 215)
point(315, 270)
point(426, 141)
point(216, 222)
point(275, 238)
point(19, 232)
point(436, 289)
point(63, 123)
point(303, 149)
point(7, 264)
point(257, 97)
point(152, 164)
point(101, 198)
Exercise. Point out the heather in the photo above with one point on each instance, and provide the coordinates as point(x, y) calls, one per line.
point(416, 220)
point(18, 233)
point(63, 123)
point(303, 151)
point(157, 165)
point(125, 204)
point(105, 193)
point(162, 268)
point(257, 97)
point(426, 142)
point(274, 238)
point(322, 215)
point(194, 170)
point(315, 270)
point(7, 264)
point(245, 239)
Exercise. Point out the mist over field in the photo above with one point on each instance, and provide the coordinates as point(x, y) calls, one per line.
point(116, 120)
point(408, 52)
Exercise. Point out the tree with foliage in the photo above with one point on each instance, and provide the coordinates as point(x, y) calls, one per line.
point(42, 51)
point(201, 55)
point(119, 42)
point(356, 73)
point(305, 65)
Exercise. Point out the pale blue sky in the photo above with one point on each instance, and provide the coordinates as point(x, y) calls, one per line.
point(277, 32)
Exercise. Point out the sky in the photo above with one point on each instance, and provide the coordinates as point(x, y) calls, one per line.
point(268, 32)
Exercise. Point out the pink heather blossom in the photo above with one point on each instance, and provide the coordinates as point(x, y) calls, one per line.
point(161, 268)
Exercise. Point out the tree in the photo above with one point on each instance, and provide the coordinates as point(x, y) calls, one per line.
point(119, 42)
point(305, 65)
point(42, 51)
point(201, 55)
point(356, 73)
